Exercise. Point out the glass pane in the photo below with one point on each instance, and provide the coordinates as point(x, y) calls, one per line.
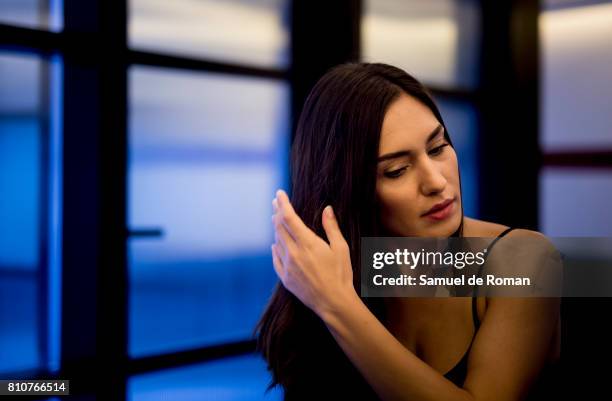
point(28, 323)
point(576, 86)
point(40, 14)
point(436, 41)
point(242, 378)
point(575, 203)
point(207, 152)
point(241, 31)
point(20, 166)
point(461, 120)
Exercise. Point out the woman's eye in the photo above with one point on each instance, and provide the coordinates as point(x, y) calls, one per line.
point(395, 173)
point(437, 150)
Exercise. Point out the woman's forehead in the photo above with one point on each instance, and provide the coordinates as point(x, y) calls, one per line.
point(407, 123)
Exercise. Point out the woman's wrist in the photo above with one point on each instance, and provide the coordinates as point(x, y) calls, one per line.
point(344, 303)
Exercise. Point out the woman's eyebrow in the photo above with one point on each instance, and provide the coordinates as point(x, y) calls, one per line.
point(403, 153)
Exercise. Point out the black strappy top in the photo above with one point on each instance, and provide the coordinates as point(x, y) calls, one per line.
point(458, 373)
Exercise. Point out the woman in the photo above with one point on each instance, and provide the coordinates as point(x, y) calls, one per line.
point(372, 146)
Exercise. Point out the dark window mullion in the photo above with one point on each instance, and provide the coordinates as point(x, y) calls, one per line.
point(579, 159)
point(94, 272)
point(321, 37)
point(39, 41)
point(195, 355)
point(204, 65)
point(13, 37)
point(509, 107)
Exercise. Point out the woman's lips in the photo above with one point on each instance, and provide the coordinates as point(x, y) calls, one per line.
point(443, 213)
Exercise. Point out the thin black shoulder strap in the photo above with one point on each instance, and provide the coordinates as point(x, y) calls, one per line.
point(506, 231)
point(474, 309)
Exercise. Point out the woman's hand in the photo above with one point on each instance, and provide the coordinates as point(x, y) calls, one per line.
point(317, 273)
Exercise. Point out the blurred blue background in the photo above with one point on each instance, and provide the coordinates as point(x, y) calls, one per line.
point(206, 150)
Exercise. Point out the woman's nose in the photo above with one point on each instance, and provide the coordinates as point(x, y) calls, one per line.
point(432, 179)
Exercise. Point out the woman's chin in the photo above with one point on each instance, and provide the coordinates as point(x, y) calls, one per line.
point(442, 228)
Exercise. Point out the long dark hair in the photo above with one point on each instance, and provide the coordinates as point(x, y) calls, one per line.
point(334, 161)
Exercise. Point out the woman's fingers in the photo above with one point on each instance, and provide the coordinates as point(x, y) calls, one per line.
point(284, 240)
point(332, 230)
point(294, 224)
point(278, 264)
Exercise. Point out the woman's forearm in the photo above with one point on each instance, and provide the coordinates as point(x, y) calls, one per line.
point(393, 371)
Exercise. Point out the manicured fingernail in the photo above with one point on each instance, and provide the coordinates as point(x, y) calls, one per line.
point(275, 204)
point(282, 196)
point(329, 212)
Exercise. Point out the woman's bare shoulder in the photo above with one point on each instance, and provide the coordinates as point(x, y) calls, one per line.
point(481, 228)
point(534, 250)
